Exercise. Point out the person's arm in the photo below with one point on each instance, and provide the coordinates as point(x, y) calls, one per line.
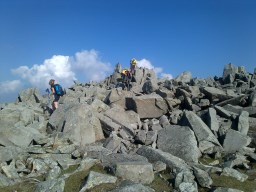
point(53, 91)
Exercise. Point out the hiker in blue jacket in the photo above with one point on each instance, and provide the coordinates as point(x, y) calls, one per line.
point(56, 91)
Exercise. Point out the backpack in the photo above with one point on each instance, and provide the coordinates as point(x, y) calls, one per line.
point(58, 90)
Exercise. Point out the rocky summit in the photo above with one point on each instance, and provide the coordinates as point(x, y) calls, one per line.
point(185, 134)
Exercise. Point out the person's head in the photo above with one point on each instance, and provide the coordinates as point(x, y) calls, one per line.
point(133, 61)
point(51, 82)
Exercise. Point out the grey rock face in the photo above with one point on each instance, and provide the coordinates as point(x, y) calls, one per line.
point(224, 189)
point(211, 120)
point(184, 77)
point(202, 177)
point(234, 173)
point(94, 179)
point(148, 106)
point(141, 172)
point(229, 69)
point(200, 129)
point(179, 141)
point(133, 187)
point(171, 161)
point(51, 186)
point(234, 141)
point(243, 122)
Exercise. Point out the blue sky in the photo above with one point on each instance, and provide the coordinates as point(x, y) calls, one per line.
point(82, 39)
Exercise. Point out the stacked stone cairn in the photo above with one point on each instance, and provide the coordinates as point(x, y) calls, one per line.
point(159, 125)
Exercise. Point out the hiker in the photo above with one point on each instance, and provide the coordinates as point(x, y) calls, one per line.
point(133, 64)
point(126, 78)
point(57, 92)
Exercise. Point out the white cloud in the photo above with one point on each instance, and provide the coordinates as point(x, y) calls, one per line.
point(9, 86)
point(65, 69)
point(158, 70)
point(89, 63)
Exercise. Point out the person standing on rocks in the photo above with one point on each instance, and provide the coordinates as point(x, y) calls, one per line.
point(57, 92)
point(133, 64)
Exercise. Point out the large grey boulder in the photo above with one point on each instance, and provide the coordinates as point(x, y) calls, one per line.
point(243, 122)
point(94, 179)
point(201, 130)
point(202, 177)
point(229, 70)
point(170, 160)
point(141, 172)
point(224, 189)
point(211, 120)
point(132, 187)
point(118, 96)
point(30, 95)
point(234, 141)
point(51, 185)
point(127, 119)
point(78, 123)
point(19, 135)
point(179, 141)
point(252, 99)
point(184, 77)
point(213, 93)
point(230, 172)
point(148, 106)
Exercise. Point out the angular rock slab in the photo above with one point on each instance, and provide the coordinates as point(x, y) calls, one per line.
point(179, 141)
point(141, 172)
point(148, 106)
point(171, 161)
point(94, 179)
point(51, 186)
point(234, 141)
point(201, 130)
point(133, 187)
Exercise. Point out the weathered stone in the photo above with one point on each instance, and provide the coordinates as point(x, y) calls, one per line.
point(252, 99)
point(243, 122)
point(236, 160)
point(150, 86)
point(188, 187)
point(151, 137)
point(204, 103)
point(252, 130)
point(175, 116)
point(202, 177)
point(113, 143)
point(148, 106)
point(141, 172)
point(200, 129)
point(172, 102)
point(179, 141)
point(128, 119)
point(234, 173)
point(107, 124)
point(82, 126)
point(184, 77)
point(99, 106)
point(53, 173)
point(224, 189)
point(165, 93)
point(132, 187)
point(51, 185)
point(211, 120)
point(184, 176)
point(171, 161)
point(94, 179)
point(215, 94)
point(159, 166)
point(163, 121)
point(229, 69)
point(10, 152)
point(10, 170)
point(234, 141)
point(141, 137)
point(222, 112)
